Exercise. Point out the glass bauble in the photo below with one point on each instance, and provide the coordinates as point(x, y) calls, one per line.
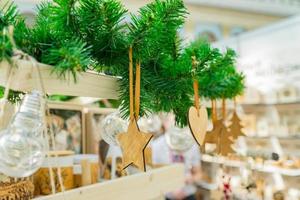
point(179, 139)
point(112, 125)
point(150, 124)
point(22, 145)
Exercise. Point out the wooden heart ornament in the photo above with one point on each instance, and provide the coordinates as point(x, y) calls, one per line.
point(198, 123)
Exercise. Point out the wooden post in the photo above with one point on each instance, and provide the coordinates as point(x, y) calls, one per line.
point(86, 178)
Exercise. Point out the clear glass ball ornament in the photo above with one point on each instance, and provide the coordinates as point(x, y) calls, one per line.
point(112, 125)
point(151, 124)
point(179, 139)
point(22, 145)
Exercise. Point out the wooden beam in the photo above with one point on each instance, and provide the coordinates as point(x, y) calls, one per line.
point(151, 185)
point(89, 84)
point(84, 100)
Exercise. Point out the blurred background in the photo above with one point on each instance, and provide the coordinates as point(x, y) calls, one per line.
point(216, 19)
point(266, 36)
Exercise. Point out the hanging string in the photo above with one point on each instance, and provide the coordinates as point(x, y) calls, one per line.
point(131, 109)
point(137, 89)
point(134, 96)
point(59, 173)
point(9, 76)
point(45, 134)
point(196, 86)
point(213, 111)
point(5, 96)
point(224, 109)
point(52, 180)
point(234, 101)
point(11, 38)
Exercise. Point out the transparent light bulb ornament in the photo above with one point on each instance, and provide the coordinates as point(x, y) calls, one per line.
point(179, 139)
point(151, 124)
point(22, 143)
point(111, 126)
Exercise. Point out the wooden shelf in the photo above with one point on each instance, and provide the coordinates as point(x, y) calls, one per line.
point(151, 185)
point(89, 84)
point(295, 105)
point(257, 167)
point(206, 185)
point(296, 137)
point(279, 105)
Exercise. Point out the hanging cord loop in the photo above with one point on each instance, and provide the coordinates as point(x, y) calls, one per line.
point(214, 114)
point(224, 109)
point(195, 85)
point(131, 108)
point(137, 89)
point(134, 95)
point(48, 115)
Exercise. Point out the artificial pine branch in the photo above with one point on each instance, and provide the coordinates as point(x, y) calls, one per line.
point(73, 35)
point(6, 50)
point(8, 15)
point(102, 27)
point(55, 41)
point(71, 58)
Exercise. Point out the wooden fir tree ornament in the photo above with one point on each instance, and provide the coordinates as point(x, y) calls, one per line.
point(225, 142)
point(197, 115)
point(134, 142)
point(213, 136)
point(236, 127)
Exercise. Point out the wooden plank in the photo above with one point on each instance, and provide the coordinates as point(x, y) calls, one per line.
point(267, 168)
point(89, 84)
point(84, 100)
point(150, 185)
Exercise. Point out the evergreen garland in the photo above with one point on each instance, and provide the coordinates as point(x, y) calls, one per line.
point(76, 35)
point(6, 50)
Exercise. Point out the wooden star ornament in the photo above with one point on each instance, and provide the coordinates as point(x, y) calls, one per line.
point(133, 144)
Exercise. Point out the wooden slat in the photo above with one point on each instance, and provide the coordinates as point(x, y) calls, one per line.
point(150, 185)
point(84, 100)
point(88, 84)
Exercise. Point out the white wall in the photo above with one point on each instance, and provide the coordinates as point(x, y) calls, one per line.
point(269, 56)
